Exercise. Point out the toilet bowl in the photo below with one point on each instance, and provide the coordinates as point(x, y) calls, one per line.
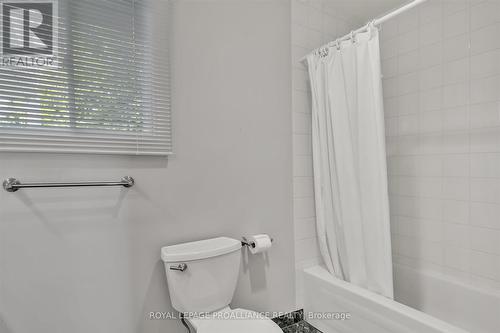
point(237, 320)
point(202, 278)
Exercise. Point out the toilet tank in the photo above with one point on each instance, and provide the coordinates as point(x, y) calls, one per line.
point(211, 271)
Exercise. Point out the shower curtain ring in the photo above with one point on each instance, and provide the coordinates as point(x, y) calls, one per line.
point(371, 27)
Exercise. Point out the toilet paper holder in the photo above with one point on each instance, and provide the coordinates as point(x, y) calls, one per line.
point(245, 242)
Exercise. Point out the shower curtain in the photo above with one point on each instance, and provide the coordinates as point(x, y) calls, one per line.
point(350, 172)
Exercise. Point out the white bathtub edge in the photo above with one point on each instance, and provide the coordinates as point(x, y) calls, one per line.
point(380, 301)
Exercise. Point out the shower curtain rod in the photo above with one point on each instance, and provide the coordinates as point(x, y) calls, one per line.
point(378, 21)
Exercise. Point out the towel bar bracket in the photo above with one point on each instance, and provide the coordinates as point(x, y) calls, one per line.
point(10, 184)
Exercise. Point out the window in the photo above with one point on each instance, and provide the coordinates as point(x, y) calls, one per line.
point(109, 92)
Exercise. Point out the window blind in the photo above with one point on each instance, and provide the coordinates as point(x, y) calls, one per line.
point(110, 92)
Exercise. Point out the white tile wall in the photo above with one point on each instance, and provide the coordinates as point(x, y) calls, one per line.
point(313, 24)
point(441, 67)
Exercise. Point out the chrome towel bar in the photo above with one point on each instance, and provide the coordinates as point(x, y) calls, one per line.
point(12, 184)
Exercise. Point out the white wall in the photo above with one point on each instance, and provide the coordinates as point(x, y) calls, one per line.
point(314, 23)
point(87, 260)
point(442, 92)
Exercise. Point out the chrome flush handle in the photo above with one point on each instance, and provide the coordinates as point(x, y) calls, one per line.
point(181, 267)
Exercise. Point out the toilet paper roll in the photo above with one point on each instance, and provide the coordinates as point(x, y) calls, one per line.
point(262, 243)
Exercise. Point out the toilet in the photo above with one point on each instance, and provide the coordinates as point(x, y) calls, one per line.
point(202, 278)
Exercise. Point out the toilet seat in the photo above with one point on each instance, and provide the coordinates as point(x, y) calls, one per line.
point(237, 320)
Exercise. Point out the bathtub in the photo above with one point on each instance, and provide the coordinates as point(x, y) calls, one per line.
point(327, 300)
point(474, 309)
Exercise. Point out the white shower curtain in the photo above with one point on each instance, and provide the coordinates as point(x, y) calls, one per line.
point(350, 172)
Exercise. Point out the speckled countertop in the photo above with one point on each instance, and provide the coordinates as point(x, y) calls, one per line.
point(294, 323)
point(301, 327)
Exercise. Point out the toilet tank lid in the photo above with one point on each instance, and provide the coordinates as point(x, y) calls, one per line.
point(200, 249)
